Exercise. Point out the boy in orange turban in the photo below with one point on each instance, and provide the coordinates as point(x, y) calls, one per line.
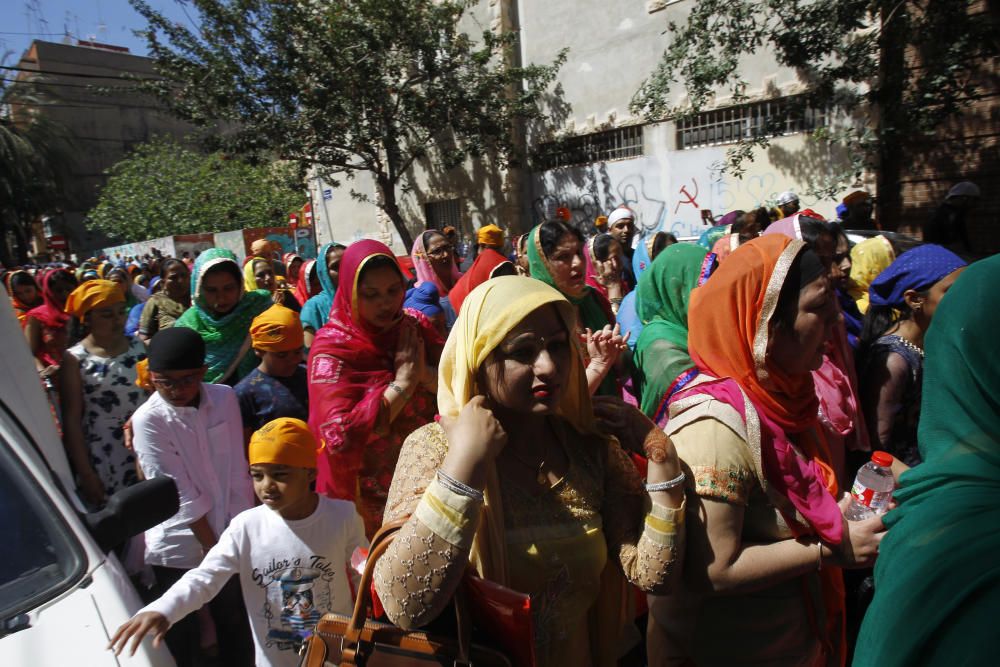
point(279, 386)
point(289, 553)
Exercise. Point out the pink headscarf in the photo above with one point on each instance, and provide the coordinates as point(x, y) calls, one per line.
point(425, 270)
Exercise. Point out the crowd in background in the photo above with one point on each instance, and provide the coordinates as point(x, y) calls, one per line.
point(654, 439)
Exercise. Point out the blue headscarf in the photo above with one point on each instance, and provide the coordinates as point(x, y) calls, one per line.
point(424, 298)
point(917, 270)
point(316, 310)
point(627, 317)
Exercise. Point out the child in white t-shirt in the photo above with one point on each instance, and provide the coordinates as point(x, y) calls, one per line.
point(291, 553)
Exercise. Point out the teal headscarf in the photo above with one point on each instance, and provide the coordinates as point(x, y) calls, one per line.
point(592, 315)
point(937, 578)
point(228, 336)
point(316, 310)
point(664, 293)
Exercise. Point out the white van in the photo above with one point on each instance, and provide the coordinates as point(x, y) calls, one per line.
point(63, 592)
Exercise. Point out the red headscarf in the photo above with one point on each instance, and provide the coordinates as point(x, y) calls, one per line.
point(481, 270)
point(303, 289)
point(350, 365)
point(50, 313)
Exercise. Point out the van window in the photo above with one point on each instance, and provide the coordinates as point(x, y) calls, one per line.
point(39, 555)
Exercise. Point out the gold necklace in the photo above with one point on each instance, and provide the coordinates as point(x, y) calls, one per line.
point(540, 476)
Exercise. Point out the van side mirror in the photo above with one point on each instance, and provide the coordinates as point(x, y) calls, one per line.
point(133, 510)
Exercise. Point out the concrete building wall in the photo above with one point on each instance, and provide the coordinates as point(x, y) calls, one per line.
point(104, 125)
point(613, 48)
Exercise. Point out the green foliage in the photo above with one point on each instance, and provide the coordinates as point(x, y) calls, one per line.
point(164, 189)
point(897, 68)
point(348, 87)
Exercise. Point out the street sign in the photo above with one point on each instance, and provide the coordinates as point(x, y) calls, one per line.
point(327, 194)
point(57, 242)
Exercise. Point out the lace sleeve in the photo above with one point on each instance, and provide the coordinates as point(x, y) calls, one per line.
point(646, 538)
point(421, 569)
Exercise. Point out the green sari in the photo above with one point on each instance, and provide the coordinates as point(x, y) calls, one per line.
point(661, 353)
point(227, 339)
point(594, 314)
point(937, 578)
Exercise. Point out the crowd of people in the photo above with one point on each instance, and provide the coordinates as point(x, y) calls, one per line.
point(653, 439)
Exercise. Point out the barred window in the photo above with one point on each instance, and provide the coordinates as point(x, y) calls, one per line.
point(787, 115)
point(618, 144)
point(441, 214)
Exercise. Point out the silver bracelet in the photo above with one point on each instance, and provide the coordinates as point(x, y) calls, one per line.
point(455, 486)
point(669, 484)
point(399, 390)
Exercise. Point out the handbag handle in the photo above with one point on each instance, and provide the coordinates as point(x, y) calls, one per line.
point(352, 634)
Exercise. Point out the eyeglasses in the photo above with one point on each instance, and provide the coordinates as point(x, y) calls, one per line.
point(177, 383)
point(439, 252)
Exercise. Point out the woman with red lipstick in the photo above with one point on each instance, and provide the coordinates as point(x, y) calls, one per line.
point(517, 481)
point(372, 377)
point(555, 257)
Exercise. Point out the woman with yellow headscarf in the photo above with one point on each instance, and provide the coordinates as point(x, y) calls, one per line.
point(258, 273)
point(98, 391)
point(520, 483)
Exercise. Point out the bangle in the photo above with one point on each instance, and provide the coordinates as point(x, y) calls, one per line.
point(395, 387)
point(819, 556)
point(669, 484)
point(617, 301)
point(455, 486)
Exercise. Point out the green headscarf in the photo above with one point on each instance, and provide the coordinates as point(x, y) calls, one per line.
point(228, 336)
point(661, 353)
point(937, 578)
point(592, 315)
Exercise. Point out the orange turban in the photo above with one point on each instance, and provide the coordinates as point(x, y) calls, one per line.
point(284, 441)
point(142, 378)
point(601, 222)
point(93, 294)
point(490, 235)
point(262, 248)
point(277, 329)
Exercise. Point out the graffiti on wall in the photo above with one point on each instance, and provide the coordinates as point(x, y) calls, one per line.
point(668, 193)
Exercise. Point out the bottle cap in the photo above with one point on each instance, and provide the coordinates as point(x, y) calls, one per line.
point(883, 459)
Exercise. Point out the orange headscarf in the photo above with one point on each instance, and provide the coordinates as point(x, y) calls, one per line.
point(277, 329)
point(727, 336)
point(93, 294)
point(728, 329)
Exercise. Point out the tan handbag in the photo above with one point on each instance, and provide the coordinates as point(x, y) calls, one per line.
point(339, 640)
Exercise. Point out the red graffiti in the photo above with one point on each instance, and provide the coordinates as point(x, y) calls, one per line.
point(692, 199)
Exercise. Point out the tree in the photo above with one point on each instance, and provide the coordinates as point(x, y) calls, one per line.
point(35, 153)
point(348, 87)
point(901, 67)
point(164, 189)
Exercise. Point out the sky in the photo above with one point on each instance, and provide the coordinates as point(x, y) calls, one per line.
point(106, 21)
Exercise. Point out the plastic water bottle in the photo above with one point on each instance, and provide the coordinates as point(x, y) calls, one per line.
point(872, 488)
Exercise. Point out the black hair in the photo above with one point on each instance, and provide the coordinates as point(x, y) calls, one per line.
point(813, 228)
point(602, 246)
point(225, 267)
point(550, 232)
point(22, 279)
point(167, 263)
point(661, 241)
point(737, 226)
point(878, 321)
point(430, 233)
point(378, 262)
